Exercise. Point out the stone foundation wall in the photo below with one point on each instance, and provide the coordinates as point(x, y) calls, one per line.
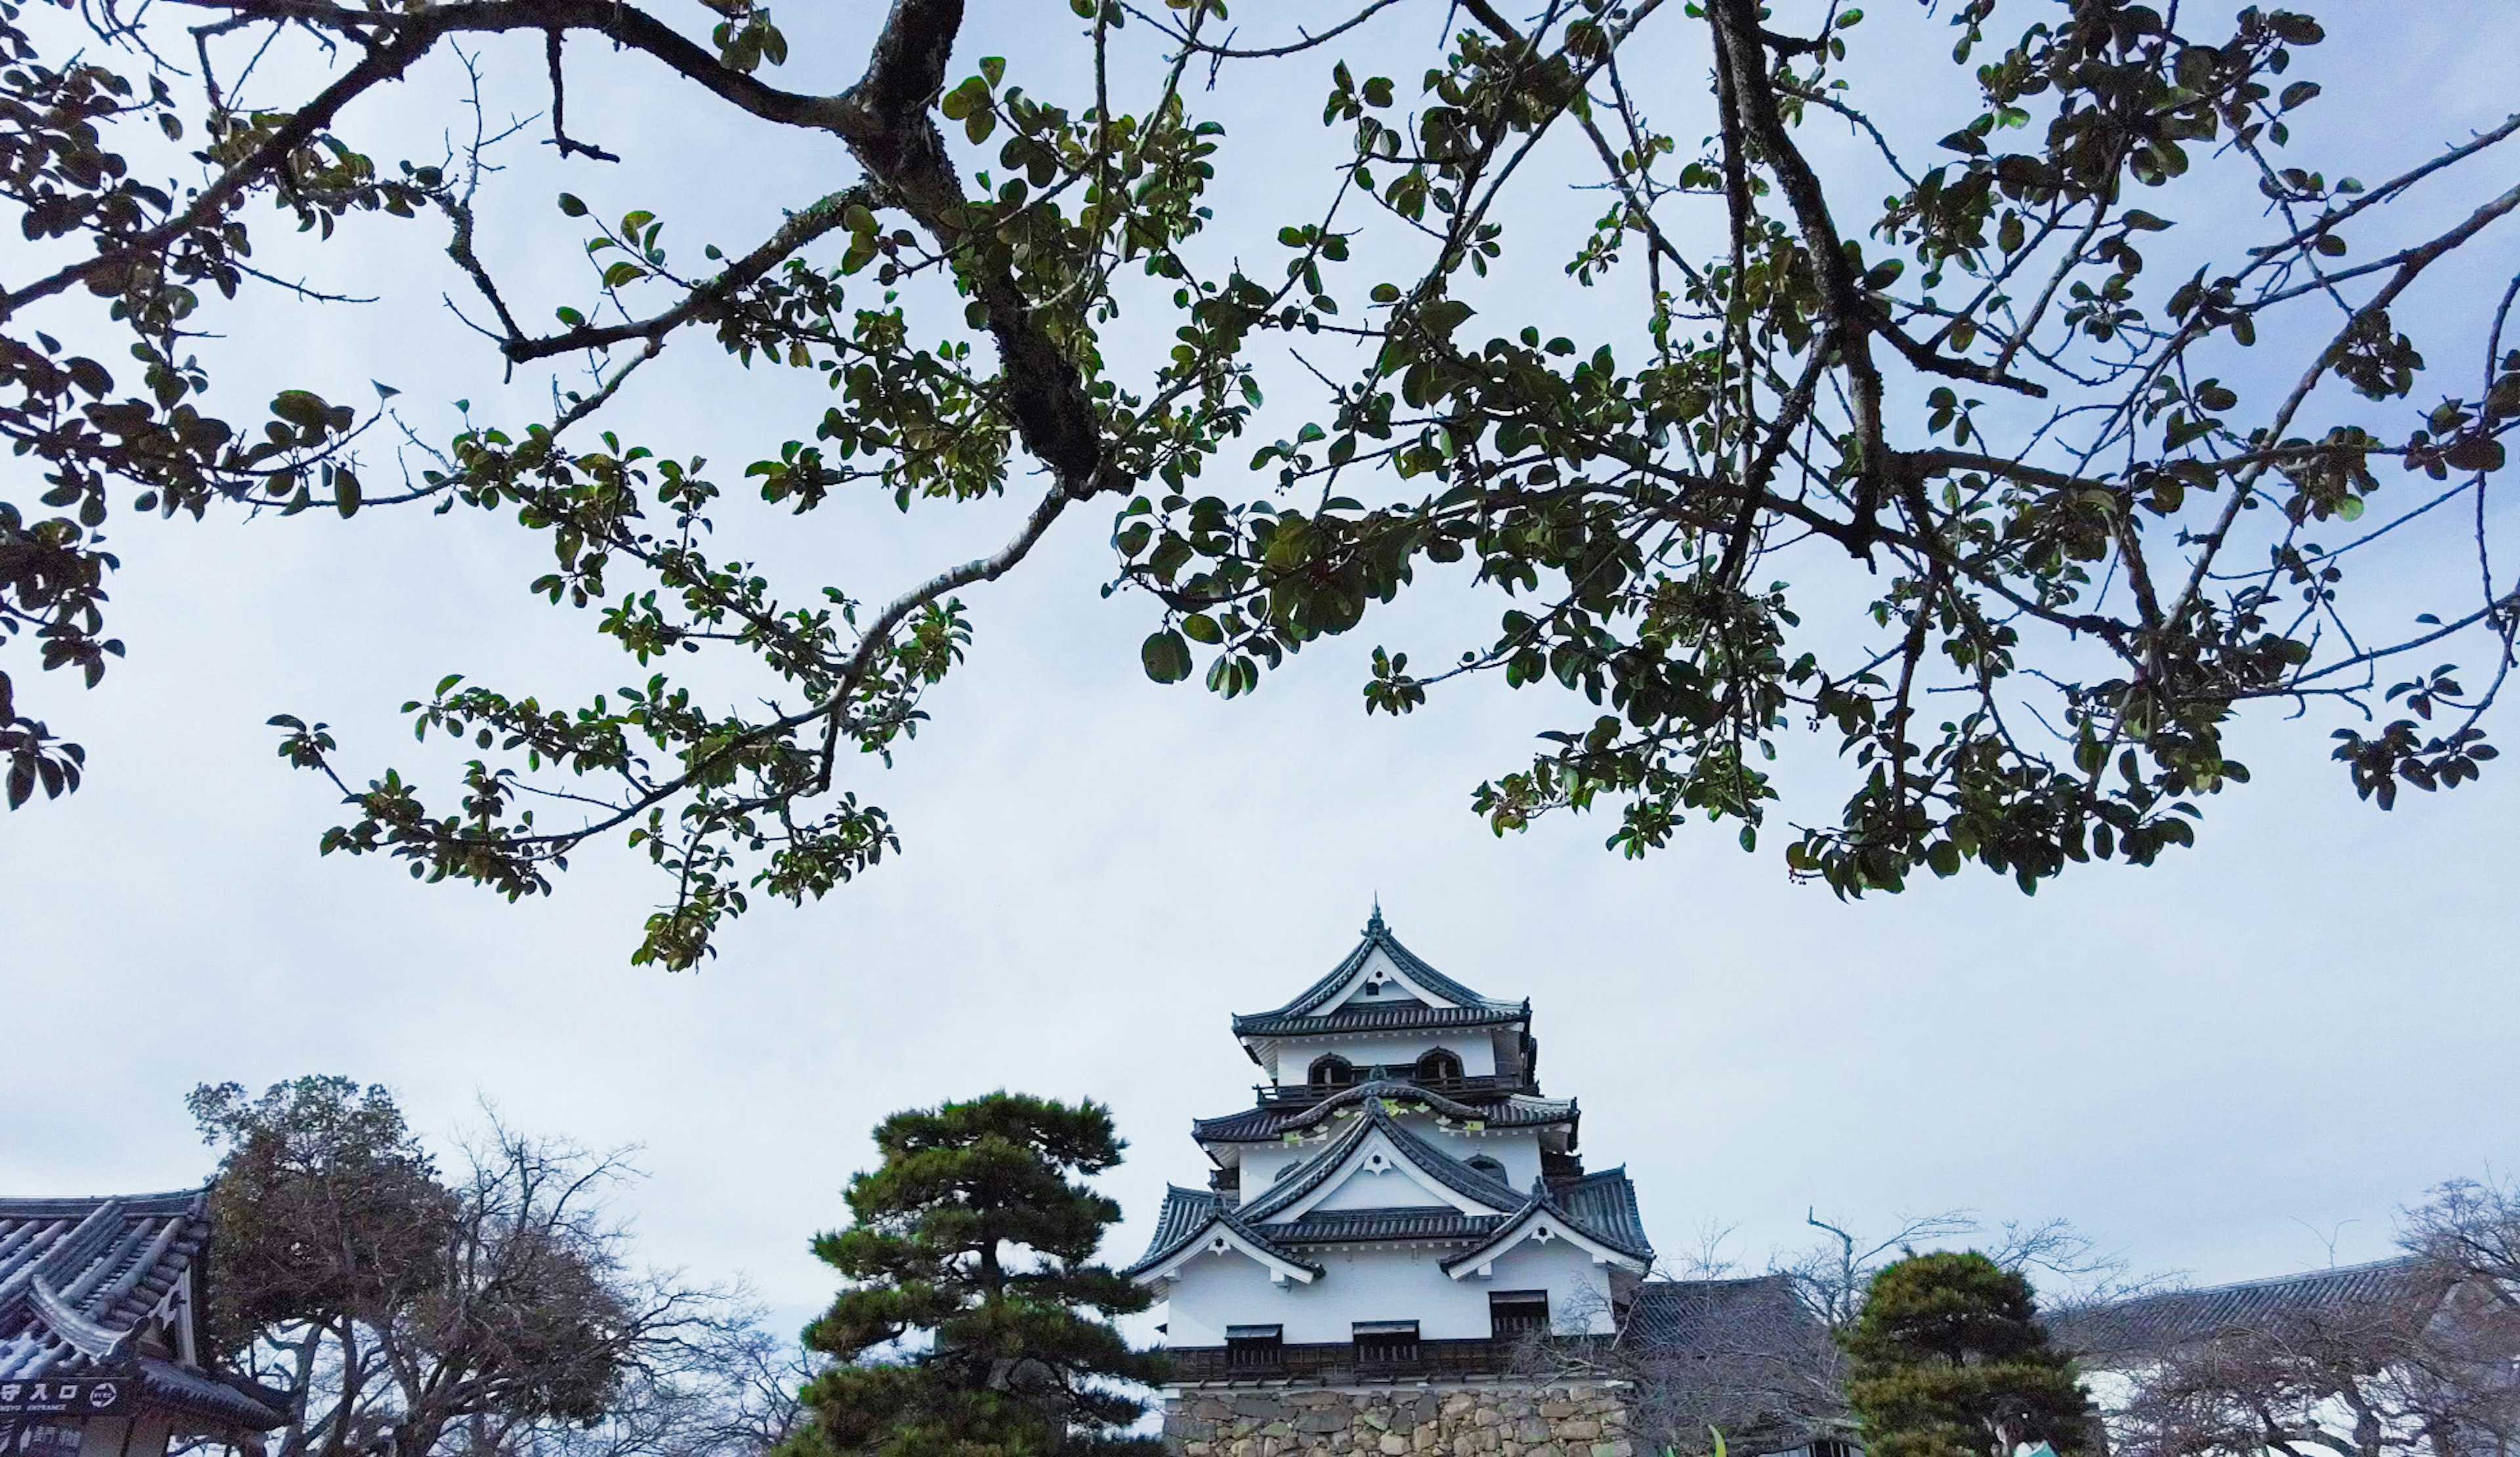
point(1579, 1420)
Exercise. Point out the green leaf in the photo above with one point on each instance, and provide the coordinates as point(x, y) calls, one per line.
point(1166, 657)
point(571, 205)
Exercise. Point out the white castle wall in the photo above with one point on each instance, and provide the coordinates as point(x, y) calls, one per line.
point(1216, 1290)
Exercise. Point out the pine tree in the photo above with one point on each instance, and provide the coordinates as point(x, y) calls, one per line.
point(1950, 1360)
point(973, 1323)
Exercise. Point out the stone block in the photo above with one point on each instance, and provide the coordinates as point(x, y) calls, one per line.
point(1393, 1445)
point(1578, 1429)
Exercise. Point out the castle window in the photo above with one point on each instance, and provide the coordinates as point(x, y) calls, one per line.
point(1487, 1164)
point(1332, 1072)
point(1517, 1312)
point(1439, 1066)
point(1255, 1349)
point(1386, 1343)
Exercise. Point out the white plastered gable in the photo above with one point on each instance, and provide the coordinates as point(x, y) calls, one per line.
point(1221, 1239)
point(1540, 1226)
point(1376, 1176)
point(1378, 980)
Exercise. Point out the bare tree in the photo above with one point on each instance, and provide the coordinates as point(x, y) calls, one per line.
point(1711, 1347)
point(2410, 1358)
point(493, 1314)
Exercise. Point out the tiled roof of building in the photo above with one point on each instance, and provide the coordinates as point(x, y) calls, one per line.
point(79, 1280)
point(1602, 1207)
point(1714, 1317)
point(1268, 1124)
point(1605, 1206)
point(1189, 1213)
point(1422, 1222)
point(1411, 1017)
point(1370, 1118)
point(2153, 1324)
point(1305, 1015)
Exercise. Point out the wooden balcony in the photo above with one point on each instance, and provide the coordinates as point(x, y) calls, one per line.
point(1304, 1095)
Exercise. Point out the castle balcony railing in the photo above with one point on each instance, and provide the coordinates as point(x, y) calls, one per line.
point(1304, 1095)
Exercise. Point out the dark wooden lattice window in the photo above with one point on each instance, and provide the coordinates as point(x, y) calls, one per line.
point(1332, 1072)
point(1386, 1343)
point(1517, 1312)
point(1255, 1349)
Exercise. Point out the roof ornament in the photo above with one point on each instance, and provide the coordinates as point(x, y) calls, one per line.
point(1374, 923)
point(100, 1344)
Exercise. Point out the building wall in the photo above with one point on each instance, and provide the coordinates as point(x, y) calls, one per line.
point(1472, 1045)
point(1216, 1290)
point(1500, 1419)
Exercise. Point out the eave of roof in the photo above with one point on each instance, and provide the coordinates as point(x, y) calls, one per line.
point(1600, 1208)
point(1269, 1125)
point(2157, 1323)
point(1188, 1216)
point(1415, 1016)
point(79, 1278)
point(1420, 1222)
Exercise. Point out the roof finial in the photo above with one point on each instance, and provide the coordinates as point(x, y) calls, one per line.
point(1374, 923)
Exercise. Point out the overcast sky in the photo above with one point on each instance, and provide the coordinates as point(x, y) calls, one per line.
point(2238, 1063)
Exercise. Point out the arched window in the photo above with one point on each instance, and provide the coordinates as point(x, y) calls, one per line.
point(1494, 1168)
point(1439, 1066)
point(1332, 1072)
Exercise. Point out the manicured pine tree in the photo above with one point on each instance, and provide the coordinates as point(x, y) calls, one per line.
point(974, 1323)
point(1950, 1360)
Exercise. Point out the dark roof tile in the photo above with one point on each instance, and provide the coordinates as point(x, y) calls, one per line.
point(1268, 1124)
point(79, 1277)
point(2153, 1324)
point(1304, 1016)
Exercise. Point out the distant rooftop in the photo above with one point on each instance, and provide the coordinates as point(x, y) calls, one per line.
point(2162, 1321)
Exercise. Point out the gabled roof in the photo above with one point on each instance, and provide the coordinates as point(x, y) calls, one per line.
point(1369, 1119)
point(2158, 1324)
point(79, 1278)
point(1759, 1316)
point(1269, 1125)
point(1189, 1214)
point(1598, 1209)
point(1314, 1011)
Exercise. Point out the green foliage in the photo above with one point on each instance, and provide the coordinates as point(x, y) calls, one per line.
point(975, 1322)
point(1950, 1360)
point(2062, 483)
point(326, 1206)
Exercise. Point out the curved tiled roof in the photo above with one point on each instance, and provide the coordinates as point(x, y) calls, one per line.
point(78, 1277)
point(1305, 1015)
point(1188, 1215)
point(1420, 1222)
point(1451, 1172)
point(1602, 1207)
point(2155, 1324)
point(1394, 1019)
point(1268, 1124)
